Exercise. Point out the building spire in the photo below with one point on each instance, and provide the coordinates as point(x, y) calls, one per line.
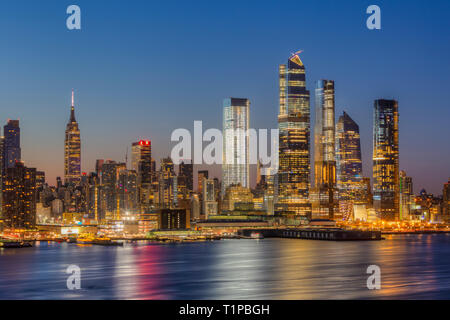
point(72, 109)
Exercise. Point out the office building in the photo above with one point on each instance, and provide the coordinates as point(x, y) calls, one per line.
point(324, 194)
point(72, 149)
point(351, 186)
point(210, 205)
point(294, 145)
point(11, 144)
point(386, 187)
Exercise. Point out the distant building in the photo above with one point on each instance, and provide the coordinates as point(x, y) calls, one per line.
point(236, 165)
point(210, 205)
point(386, 189)
point(406, 196)
point(11, 144)
point(174, 219)
point(269, 193)
point(19, 197)
point(98, 167)
point(202, 174)
point(72, 150)
point(110, 186)
point(128, 192)
point(141, 160)
point(167, 197)
point(141, 163)
point(446, 201)
point(40, 179)
point(186, 170)
point(195, 207)
point(237, 196)
point(2, 170)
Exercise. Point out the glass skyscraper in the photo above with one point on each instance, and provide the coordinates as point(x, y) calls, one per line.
point(350, 183)
point(235, 165)
point(446, 201)
point(294, 131)
point(141, 160)
point(386, 159)
point(72, 149)
point(324, 194)
point(406, 195)
point(186, 170)
point(348, 151)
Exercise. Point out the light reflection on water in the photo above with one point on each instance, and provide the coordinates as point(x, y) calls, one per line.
point(412, 267)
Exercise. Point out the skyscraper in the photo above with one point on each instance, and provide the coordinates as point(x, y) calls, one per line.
point(11, 148)
point(235, 166)
point(187, 171)
point(294, 130)
point(98, 167)
point(348, 151)
point(167, 184)
point(2, 170)
point(127, 189)
point(324, 195)
point(141, 162)
point(19, 197)
point(446, 201)
point(201, 175)
point(406, 196)
point(386, 159)
point(350, 183)
point(111, 172)
point(209, 198)
point(72, 149)
point(141, 159)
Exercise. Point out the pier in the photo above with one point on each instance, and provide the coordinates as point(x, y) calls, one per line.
point(330, 234)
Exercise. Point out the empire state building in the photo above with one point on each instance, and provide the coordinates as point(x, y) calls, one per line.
point(72, 149)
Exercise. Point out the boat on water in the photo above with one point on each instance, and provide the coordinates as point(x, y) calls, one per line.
point(71, 240)
point(102, 241)
point(256, 235)
point(15, 244)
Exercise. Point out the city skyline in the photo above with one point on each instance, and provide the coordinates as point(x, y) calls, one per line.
point(41, 133)
point(242, 151)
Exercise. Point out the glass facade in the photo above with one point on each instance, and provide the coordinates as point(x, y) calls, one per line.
point(11, 148)
point(294, 129)
point(386, 159)
point(324, 195)
point(350, 183)
point(235, 166)
point(406, 196)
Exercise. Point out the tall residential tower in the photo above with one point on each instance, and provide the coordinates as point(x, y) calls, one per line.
point(235, 166)
point(11, 147)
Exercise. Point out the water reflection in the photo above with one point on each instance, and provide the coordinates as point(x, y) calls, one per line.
point(412, 267)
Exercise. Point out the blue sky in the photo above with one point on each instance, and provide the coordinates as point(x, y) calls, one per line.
point(145, 68)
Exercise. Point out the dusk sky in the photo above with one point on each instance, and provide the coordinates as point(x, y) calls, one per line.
point(141, 69)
